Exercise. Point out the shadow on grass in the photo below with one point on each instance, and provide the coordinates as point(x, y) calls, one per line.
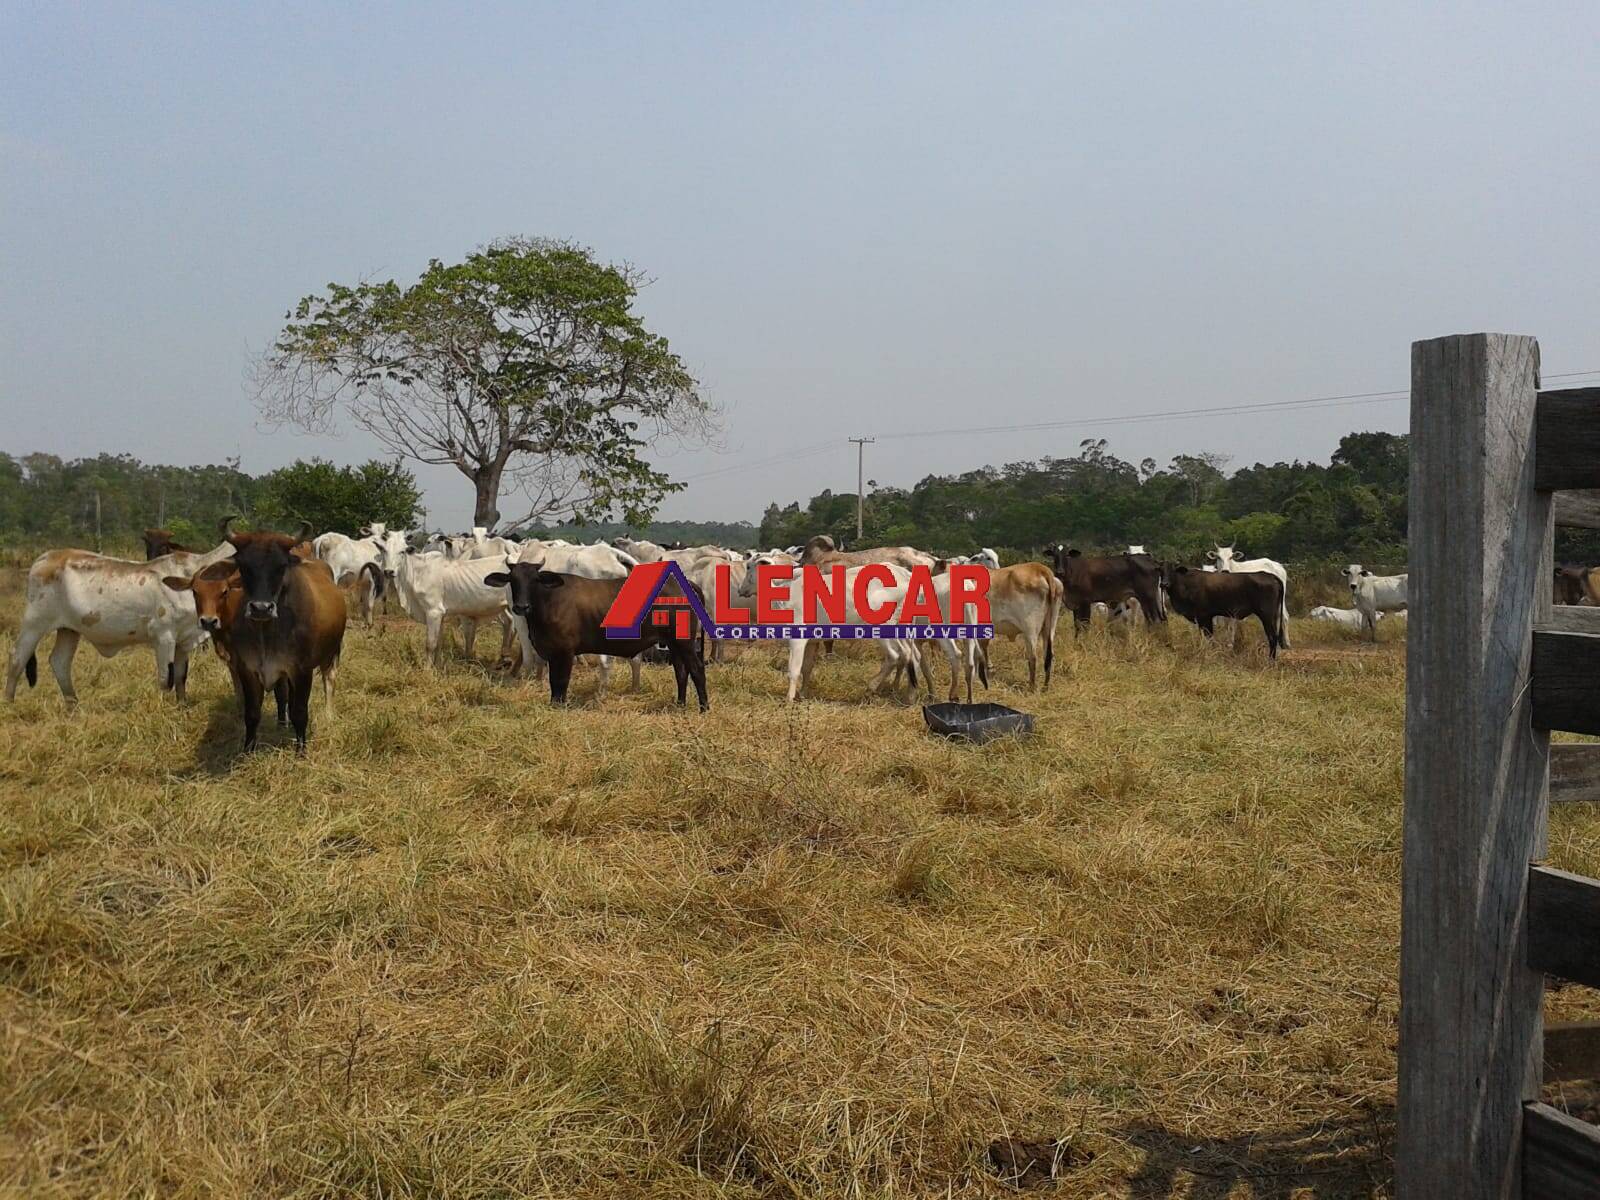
point(221, 746)
point(1328, 1160)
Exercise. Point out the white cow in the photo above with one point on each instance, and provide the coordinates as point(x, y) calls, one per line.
point(1227, 560)
point(1344, 618)
point(433, 589)
point(1374, 594)
point(643, 551)
point(112, 603)
point(346, 555)
point(702, 572)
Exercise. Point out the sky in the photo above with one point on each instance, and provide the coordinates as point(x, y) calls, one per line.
point(859, 220)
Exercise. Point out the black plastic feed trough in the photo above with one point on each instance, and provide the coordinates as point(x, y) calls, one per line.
point(976, 723)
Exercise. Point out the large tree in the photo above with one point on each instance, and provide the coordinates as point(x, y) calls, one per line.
point(524, 367)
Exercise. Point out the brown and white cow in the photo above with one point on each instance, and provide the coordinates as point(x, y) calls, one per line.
point(1024, 602)
point(1577, 585)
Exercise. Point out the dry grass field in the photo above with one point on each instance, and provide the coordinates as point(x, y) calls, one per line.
point(472, 946)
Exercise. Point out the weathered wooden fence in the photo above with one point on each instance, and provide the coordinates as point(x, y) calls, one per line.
point(1492, 667)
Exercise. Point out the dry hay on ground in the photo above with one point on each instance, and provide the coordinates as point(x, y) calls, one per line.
point(474, 946)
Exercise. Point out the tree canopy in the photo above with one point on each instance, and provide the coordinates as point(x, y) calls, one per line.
point(524, 365)
point(342, 499)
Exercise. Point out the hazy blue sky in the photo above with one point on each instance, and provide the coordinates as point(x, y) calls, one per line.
point(860, 219)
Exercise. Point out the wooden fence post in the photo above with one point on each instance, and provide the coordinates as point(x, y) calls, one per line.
point(1476, 769)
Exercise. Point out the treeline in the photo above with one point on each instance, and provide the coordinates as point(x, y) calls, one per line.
point(1351, 508)
point(109, 500)
point(736, 535)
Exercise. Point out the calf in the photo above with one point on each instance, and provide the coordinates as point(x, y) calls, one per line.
point(286, 623)
point(563, 613)
point(1025, 602)
point(113, 604)
point(1108, 579)
point(1374, 594)
point(1227, 559)
point(1203, 596)
point(1345, 618)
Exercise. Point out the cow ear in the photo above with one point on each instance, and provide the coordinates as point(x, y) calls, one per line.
point(178, 584)
point(1074, 553)
point(497, 579)
point(1365, 573)
point(550, 579)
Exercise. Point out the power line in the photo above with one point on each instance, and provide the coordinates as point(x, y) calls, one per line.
point(1348, 399)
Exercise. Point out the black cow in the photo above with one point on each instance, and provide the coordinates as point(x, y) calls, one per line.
point(1090, 579)
point(1202, 596)
point(563, 615)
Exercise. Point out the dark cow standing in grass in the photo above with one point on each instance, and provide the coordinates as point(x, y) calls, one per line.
point(1202, 596)
point(286, 623)
point(561, 616)
point(1110, 579)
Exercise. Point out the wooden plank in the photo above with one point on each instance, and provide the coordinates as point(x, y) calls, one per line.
point(1567, 439)
point(1571, 618)
point(1564, 925)
point(1580, 510)
point(1561, 1156)
point(1480, 541)
point(1566, 681)
point(1574, 772)
point(1571, 1050)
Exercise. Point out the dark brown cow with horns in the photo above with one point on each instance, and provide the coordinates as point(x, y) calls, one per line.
point(1087, 580)
point(286, 622)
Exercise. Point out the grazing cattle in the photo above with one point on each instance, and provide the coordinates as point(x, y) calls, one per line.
point(821, 551)
point(899, 655)
point(111, 603)
point(1374, 594)
point(1024, 601)
point(1577, 585)
point(1203, 596)
point(640, 550)
point(562, 617)
point(1108, 579)
point(1345, 618)
point(285, 625)
point(702, 572)
point(433, 589)
point(1227, 559)
point(159, 542)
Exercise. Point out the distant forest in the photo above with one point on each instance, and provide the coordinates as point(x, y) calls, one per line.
point(1354, 507)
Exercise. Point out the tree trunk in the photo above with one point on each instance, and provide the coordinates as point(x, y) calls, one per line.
point(486, 482)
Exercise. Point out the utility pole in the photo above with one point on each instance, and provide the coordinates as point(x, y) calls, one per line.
point(861, 479)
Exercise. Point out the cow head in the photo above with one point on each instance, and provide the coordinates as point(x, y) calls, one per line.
point(527, 582)
point(1223, 556)
point(1353, 574)
point(264, 560)
point(211, 588)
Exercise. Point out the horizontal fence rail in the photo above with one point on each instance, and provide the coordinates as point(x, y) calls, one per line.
point(1574, 773)
point(1564, 926)
point(1560, 1155)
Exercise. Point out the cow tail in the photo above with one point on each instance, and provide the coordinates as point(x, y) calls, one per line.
point(172, 675)
point(33, 669)
point(1283, 614)
point(377, 578)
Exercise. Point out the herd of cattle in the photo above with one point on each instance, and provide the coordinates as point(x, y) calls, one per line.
point(273, 606)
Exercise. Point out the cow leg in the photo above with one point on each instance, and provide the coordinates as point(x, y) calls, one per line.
point(697, 672)
point(1081, 617)
point(560, 676)
point(532, 665)
point(435, 628)
point(248, 685)
point(798, 673)
point(165, 648)
point(1031, 649)
point(328, 673)
point(280, 693)
point(605, 674)
point(300, 708)
point(180, 670)
point(680, 675)
point(61, 662)
point(469, 634)
point(636, 664)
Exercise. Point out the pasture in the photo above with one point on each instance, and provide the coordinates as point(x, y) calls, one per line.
point(474, 946)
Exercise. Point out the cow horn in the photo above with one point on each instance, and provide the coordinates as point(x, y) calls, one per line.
point(222, 529)
point(305, 532)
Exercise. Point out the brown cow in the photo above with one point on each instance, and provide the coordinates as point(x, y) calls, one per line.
point(561, 615)
point(1090, 579)
point(287, 624)
point(1577, 585)
point(158, 542)
point(1202, 596)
